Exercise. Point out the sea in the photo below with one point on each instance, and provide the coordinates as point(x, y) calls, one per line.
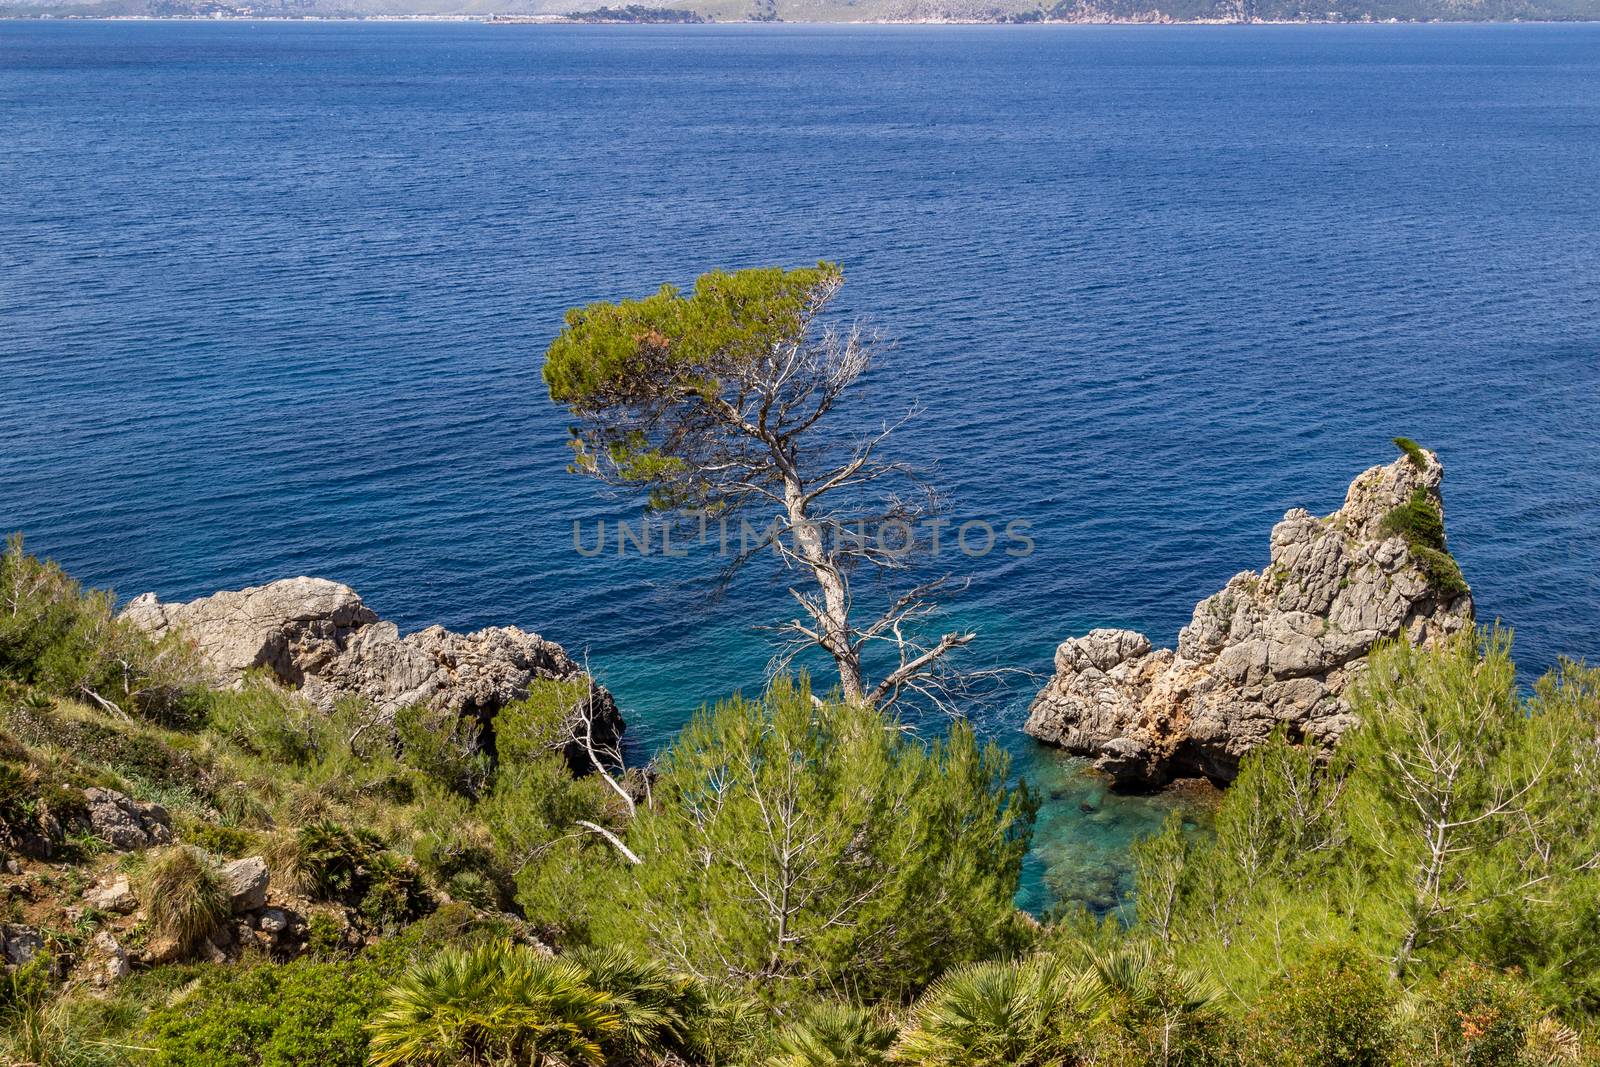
point(274, 298)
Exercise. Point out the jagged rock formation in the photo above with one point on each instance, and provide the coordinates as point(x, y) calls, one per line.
point(1276, 647)
point(318, 636)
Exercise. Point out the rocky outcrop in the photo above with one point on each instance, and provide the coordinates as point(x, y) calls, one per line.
point(124, 823)
point(1271, 648)
point(320, 637)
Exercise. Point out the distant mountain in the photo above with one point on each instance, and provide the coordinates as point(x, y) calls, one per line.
point(859, 10)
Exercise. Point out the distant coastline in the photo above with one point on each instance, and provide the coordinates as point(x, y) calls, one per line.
point(587, 18)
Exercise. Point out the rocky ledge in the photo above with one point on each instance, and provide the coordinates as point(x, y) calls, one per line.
point(1276, 647)
point(319, 637)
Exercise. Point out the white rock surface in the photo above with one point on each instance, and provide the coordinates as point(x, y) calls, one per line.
point(318, 636)
point(246, 883)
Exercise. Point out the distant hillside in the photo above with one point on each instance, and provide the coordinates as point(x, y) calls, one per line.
point(864, 10)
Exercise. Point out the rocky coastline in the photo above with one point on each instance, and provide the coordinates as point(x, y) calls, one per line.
point(1274, 648)
point(318, 636)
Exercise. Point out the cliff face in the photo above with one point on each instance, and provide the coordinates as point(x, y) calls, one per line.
point(318, 636)
point(1279, 646)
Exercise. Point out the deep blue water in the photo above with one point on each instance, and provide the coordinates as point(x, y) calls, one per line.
point(273, 299)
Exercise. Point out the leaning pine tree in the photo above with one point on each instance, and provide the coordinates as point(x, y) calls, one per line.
point(715, 405)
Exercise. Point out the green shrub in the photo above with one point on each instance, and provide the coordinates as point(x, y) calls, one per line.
point(1336, 1009)
point(1443, 572)
point(445, 746)
point(835, 1035)
point(499, 1003)
point(1152, 1009)
point(133, 751)
point(536, 726)
point(65, 640)
point(1421, 524)
point(394, 893)
point(1419, 521)
point(16, 797)
point(1414, 452)
point(12, 750)
point(264, 719)
point(291, 1015)
point(230, 841)
point(329, 862)
point(874, 905)
point(656, 1008)
point(24, 988)
point(356, 868)
point(1030, 1013)
point(40, 1028)
point(183, 896)
point(1472, 1016)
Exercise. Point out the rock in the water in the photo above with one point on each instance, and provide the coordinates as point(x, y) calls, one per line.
point(246, 883)
point(126, 824)
point(1278, 647)
point(318, 636)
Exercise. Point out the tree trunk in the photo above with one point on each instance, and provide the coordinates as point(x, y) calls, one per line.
point(834, 621)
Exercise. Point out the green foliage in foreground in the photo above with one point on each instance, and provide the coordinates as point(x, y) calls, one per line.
point(810, 846)
point(801, 883)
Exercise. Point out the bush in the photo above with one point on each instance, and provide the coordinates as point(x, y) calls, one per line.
point(835, 1035)
point(536, 726)
point(1151, 1011)
point(1031, 1013)
point(1442, 571)
point(264, 719)
point(331, 863)
point(445, 746)
point(1421, 524)
point(24, 988)
point(68, 641)
point(136, 752)
point(1414, 452)
point(1419, 521)
point(1475, 1017)
point(499, 1003)
point(656, 1009)
point(1336, 1009)
point(229, 841)
point(895, 859)
point(184, 896)
point(289, 1015)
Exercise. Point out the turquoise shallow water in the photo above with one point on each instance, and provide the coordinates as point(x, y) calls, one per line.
point(273, 297)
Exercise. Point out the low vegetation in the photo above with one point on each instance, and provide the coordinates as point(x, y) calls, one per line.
point(796, 883)
point(1421, 524)
point(1413, 451)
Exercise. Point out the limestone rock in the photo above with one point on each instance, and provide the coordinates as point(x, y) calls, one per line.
point(19, 944)
point(318, 636)
point(1271, 648)
point(272, 921)
point(126, 824)
point(246, 883)
point(107, 961)
point(115, 895)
